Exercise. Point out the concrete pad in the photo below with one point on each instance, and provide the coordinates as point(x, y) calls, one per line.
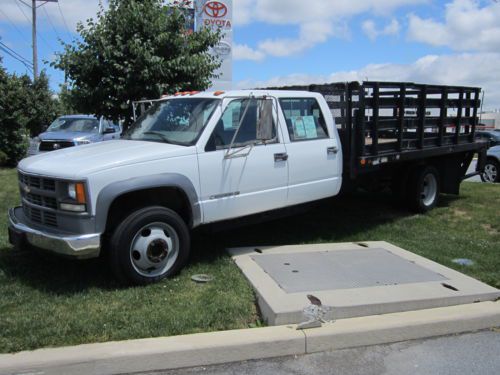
point(355, 279)
point(231, 346)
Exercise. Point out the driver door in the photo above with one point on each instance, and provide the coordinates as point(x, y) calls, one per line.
point(240, 172)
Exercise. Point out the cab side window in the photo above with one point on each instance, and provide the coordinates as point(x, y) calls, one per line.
point(304, 119)
point(257, 124)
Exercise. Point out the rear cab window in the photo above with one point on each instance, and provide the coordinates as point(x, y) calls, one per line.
point(304, 119)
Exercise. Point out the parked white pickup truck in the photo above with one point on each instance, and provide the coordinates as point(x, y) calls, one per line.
point(199, 158)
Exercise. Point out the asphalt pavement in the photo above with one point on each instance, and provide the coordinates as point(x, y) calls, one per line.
point(468, 354)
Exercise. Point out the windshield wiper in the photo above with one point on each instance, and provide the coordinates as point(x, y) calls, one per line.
point(159, 134)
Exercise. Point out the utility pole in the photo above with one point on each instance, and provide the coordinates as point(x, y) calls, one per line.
point(33, 30)
point(33, 35)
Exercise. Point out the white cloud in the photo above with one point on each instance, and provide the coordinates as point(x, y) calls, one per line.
point(478, 70)
point(244, 52)
point(317, 20)
point(311, 33)
point(372, 32)
point(468, 26)
point(296, 12)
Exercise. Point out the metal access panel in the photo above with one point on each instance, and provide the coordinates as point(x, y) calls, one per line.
point(352, 279)
point(331, 270)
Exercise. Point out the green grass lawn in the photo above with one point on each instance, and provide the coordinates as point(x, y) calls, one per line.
point(50, 301)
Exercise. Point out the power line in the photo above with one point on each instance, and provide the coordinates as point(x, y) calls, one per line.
point(51, 24)
point(14, 52)
point(14, 25)
point(22, 11)
point(64, 20)
point(29, 20)
point(14, 57)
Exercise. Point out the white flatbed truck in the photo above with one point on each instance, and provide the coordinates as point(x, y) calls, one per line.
point(203, 157)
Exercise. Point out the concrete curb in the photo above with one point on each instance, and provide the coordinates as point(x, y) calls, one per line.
point(230, 346)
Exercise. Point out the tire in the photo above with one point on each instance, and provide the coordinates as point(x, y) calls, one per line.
point(491, 171)
point(149, 245)
point(423, 189)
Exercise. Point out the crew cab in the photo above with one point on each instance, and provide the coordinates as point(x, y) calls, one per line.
point(198, 158)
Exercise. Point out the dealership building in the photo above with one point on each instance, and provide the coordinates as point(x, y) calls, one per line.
point(490, 120)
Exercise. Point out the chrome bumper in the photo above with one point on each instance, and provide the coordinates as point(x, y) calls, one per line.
point(82, 246)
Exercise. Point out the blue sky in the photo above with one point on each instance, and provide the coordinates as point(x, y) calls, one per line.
point(296, 41)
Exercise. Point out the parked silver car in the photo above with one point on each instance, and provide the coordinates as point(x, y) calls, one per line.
point(492, 167)
point(74, 130)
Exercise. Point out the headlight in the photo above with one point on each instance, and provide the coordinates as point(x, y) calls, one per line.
point(76, 191)
point(77, 199)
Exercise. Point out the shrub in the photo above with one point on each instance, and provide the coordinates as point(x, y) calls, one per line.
point(3, 159)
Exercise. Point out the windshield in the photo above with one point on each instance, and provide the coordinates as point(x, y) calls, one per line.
point(177, 121)
point(81, 125)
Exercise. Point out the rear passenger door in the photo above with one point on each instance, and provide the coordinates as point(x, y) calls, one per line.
point(314, 157)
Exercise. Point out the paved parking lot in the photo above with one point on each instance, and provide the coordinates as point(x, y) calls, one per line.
point(453, 355)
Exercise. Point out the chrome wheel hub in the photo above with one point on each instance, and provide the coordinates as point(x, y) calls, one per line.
point(157, 250)
point(154, 249)
point(490, 173)
point(429, 190)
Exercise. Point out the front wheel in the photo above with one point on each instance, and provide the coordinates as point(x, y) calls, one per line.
point(149, 245)
point(491, 171)
point(424, 189)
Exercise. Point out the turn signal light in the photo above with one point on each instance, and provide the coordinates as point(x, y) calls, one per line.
point(80, 193)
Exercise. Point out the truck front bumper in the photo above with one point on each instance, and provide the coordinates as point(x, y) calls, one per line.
point(82, 246)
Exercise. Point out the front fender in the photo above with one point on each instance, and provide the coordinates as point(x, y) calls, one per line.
point(112, 191)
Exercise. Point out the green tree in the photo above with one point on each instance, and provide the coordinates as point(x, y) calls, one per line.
point(43, 108)
point(13, 116)
point(133, 50)
point(65, 101)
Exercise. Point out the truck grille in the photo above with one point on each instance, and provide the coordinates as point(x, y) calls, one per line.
point(37, 182)
point(39, 199)
point(40, 216)
point(55, 145)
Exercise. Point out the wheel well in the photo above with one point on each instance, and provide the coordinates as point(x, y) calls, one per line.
point(492, 158)
point(170, 197)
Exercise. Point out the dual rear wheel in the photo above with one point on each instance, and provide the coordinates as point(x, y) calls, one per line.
point(419, 190)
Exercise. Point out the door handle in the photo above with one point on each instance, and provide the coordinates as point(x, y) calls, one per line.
point(281, 157)
point(332, 150)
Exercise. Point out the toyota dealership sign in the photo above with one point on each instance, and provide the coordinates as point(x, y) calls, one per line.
point(218, 15)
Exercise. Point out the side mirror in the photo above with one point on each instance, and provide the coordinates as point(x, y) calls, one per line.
point(265, 123)
point(109, 130)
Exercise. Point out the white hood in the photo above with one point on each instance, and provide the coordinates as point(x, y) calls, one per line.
point(80, 162)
